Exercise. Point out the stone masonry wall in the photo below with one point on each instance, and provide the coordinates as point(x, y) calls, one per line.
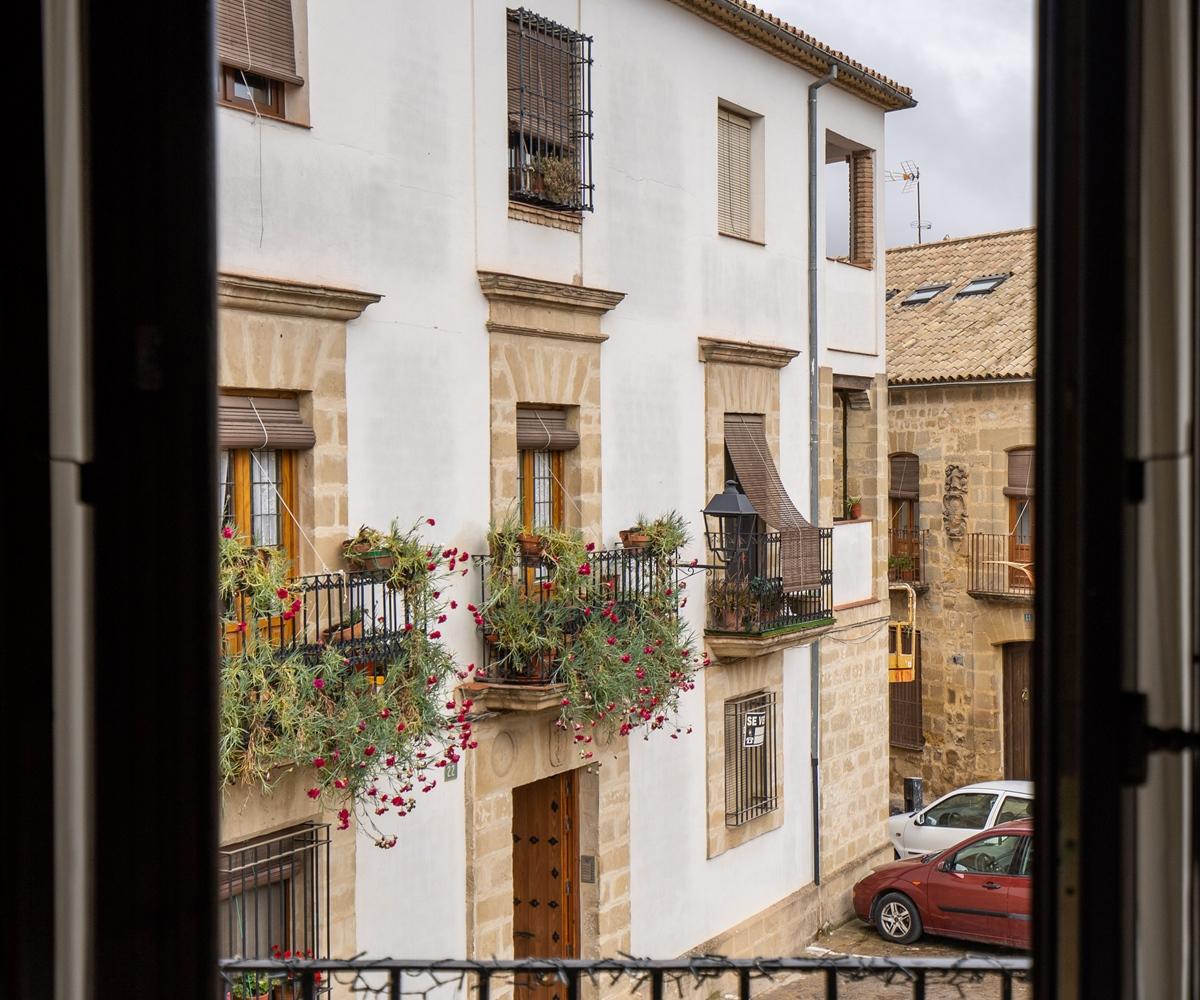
point(962, 637)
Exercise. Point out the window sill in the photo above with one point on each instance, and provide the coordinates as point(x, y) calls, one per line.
point(741, 239)
point(249, 113)
point(571, 222)
point(851, 263)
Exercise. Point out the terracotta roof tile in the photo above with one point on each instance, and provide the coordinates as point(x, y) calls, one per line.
point(973, 337)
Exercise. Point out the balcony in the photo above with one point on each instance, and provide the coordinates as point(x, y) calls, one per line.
point(749, 612)
point(357, 612)
point(528, 637)
point(907, 556)
point(999, 568)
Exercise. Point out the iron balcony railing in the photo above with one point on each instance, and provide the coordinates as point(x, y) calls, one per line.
point(748, 597)
point(358, 612)
point(273, 903)
point(625, 576)
point(906, 555)
point(998, 567)
point(738, 978)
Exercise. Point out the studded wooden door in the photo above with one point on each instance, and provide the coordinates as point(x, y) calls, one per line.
point(1018, 710)
point(545, 878)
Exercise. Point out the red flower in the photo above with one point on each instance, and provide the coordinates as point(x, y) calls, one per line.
point(464, 556)
point(625, 658)
point(611, 640)
point(565, 702)
point(472, 608)
point(399, 727)
point(391, 760)
point(370, 751)
point(282, 593)
point(585, 569)
point(318, 762)
point(314, 793)
point(227, 532)
point(384, 713)
point(450, 704)
point(318, 683)
point(591, 546)
point(408, 626)
point(241, 626)
point(435, 634)
point(431, 566)
point(441, 619)
point(430, 521)
point(453, 605)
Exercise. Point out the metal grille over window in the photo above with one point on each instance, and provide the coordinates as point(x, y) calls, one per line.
point(750, 783)
point(733, 174)
point(906, 724)
point(549, 113)
point(274, 897)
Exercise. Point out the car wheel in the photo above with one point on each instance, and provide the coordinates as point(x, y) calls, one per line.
point(897, 919)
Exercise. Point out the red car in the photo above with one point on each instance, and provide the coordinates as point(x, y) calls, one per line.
point(980, 889)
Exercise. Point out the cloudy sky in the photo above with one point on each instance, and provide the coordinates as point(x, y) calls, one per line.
point(970, 64)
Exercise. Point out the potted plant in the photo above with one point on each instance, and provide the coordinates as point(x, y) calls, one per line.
point(900, 563)
point(853, 508)
point(251, 986)
point(556, 178)
point(637, 536)
point(345, 630)
point(530, 543)
point(368, 550)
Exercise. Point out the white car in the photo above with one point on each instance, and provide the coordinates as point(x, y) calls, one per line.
point(958, 814)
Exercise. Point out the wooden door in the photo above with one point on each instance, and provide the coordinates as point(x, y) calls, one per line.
point(1020, 542)
point(545, 878)
point(1018, 710)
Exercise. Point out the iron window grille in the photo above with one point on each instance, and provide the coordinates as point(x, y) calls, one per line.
point(750, 779)
point(549, 113)
point(273, 895)
point(906, 727)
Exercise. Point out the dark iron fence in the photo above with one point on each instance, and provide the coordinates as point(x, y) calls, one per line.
point(645, 978)
point(625, 576)
point(359, 613)
point(273, 900)
point(749, 598)
point(906, 555)
point(549, 113)
point(996, 568)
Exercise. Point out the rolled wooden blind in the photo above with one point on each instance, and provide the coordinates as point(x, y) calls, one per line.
point(261, 422)
point(862, 207)
point(256, 35)
point(544, 430)
point(904, 483)
point(1020, 473)
point(799, 541)
point(543, 82)
point(733, 174)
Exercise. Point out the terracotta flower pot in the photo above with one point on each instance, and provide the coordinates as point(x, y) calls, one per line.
point(856, 512)
point(631, 538)
point(531, 544)
point(343, 633)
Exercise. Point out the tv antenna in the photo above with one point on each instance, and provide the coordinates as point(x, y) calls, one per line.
point(910, 175)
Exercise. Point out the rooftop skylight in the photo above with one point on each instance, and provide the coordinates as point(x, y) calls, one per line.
point(981, 286)
point(923, 294)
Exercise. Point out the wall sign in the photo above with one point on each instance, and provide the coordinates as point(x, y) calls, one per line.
point(754, 729)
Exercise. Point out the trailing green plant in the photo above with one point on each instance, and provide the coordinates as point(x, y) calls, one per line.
point(251, 985)
point(371, 738)
point(621, 650)
point(668, 533)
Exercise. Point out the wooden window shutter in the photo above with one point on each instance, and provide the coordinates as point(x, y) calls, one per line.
point(544, 430)
point(904, 482)
point(799, 541)
point(862, 207)
point(543, 83)
point(257, 36)
point(261, 422)
point(1020, 473)
point(733, 174)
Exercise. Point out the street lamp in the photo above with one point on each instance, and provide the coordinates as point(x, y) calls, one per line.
point(729, 523)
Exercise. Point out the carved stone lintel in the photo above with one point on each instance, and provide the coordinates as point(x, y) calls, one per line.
point(954, 502)
point(291, 298)
point(743, 352)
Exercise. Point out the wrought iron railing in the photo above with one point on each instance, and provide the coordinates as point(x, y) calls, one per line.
point(748, 596)
point(906, 555)
point(734, 977)
point(624, 576)
point(273, 903)
point(997, 567)
point(359, 613)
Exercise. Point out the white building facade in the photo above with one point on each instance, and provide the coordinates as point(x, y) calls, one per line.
point(381, 276)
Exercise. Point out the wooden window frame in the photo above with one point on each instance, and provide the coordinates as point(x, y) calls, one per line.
point(242, 480)
point(557, 506)
point(276, 108)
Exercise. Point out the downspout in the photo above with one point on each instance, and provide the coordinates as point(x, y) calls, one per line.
point(814, 455)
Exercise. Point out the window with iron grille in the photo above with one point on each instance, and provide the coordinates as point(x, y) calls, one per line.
point(549, 113)
point(906, 725)
point(273, 895)
point(750, 743)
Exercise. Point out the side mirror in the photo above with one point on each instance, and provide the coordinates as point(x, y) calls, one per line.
point(919, 820)
point(946, 865)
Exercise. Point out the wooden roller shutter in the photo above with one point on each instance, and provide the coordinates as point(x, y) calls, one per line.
point(1020, 473)
point(262, 422)
point(904, 483)
point(543, 81)
point(257, 36)
point(799, 541)
point(544, 430)
point(733, 174)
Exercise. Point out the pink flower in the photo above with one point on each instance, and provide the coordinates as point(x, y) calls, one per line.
point(318, 683)
point(585, 569)
point(227, 532)
point(336, 756)
point(340, 783)
point(314, 793)
point(565, 702)
point(241, 626)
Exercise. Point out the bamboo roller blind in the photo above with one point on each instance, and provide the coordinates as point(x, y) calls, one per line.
point(733, 174)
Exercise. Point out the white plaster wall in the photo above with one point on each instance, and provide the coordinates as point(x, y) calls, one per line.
point(399, 188)
point(853, 562)
point(848, 309)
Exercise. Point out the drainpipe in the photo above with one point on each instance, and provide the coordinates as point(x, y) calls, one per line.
point(814, 453)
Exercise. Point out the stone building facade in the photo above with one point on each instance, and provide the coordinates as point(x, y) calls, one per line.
point(961, 403)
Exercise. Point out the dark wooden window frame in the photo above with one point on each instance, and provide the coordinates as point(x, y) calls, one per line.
point(275, 108)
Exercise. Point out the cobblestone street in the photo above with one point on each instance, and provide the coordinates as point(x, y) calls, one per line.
point(856, 938)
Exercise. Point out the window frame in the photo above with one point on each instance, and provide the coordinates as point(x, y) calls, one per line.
point(924, 818)
point(735, 119)
point(745, 804)
point(934, 289)
point(951, 862)
point(276, 108)
point(526, 490)
point(996, 281)
point(242, 480)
